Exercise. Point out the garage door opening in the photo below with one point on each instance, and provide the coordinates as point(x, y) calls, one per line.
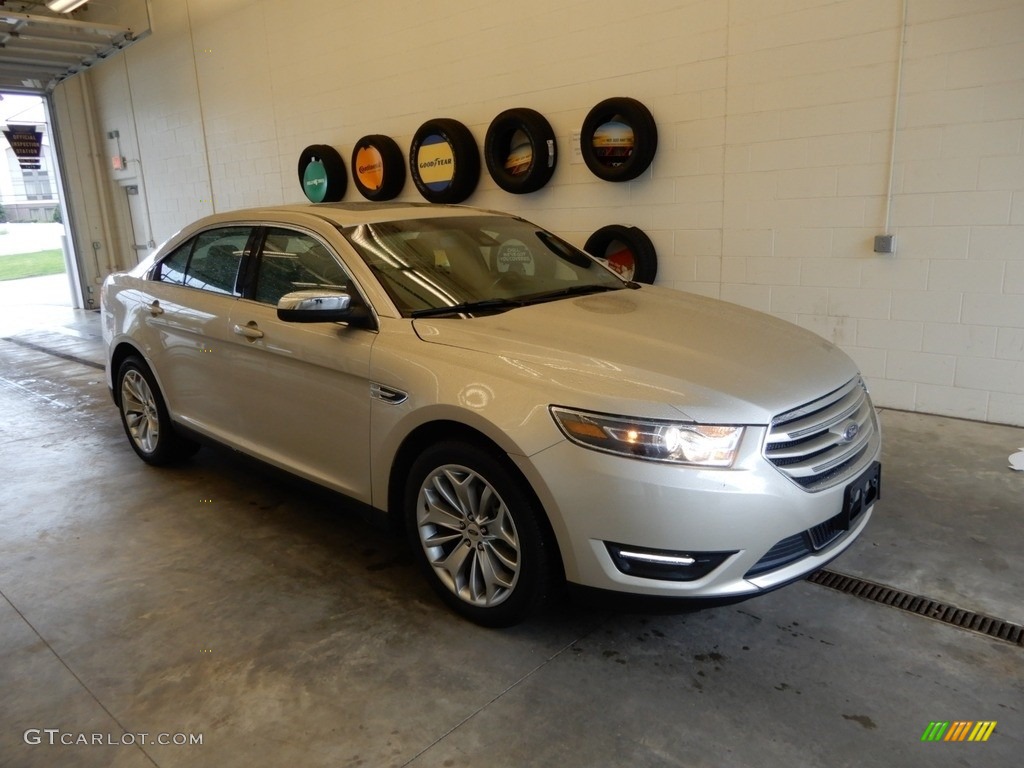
point(37, 266)
point(44, 46)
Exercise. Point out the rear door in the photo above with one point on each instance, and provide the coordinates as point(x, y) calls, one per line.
point(188, 310)
point(303, 392)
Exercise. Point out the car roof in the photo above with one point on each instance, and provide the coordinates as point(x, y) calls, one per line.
point(352, 214)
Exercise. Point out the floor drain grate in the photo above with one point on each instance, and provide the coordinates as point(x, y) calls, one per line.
point(922, 606)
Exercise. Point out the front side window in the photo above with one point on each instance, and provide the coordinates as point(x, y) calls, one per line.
point(295, 261)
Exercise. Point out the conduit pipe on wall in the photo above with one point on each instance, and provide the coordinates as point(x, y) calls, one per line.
point(895, 119)
point(202, 114)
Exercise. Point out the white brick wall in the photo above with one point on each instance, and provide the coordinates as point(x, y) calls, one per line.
point(775, 128)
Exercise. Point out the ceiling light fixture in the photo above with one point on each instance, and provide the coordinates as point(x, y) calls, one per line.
point(64, 6)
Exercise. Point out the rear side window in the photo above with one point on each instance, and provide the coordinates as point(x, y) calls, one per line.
point(172, 269)
point(215, 259)
point(208, 261)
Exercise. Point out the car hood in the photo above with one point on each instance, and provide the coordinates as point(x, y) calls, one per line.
point(646, 349)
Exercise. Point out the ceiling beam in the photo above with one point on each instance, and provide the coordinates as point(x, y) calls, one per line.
point(36, 50)
point(107, 30)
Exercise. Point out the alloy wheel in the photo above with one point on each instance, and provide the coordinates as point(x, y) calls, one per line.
point(140, 411)
point(468, 535)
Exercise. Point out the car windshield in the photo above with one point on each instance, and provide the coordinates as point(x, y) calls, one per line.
point(474, 264)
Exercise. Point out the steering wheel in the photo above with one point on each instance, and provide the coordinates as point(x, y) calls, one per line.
point(508, 279)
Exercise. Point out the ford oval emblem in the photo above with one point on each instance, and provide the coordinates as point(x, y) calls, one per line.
point(850, 432)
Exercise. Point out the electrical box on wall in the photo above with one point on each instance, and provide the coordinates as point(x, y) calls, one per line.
point(885, 244)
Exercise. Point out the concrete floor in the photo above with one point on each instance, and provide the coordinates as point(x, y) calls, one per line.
point(224, 601)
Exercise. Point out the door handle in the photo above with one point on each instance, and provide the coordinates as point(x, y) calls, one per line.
point(250, 331)
point(155, 309)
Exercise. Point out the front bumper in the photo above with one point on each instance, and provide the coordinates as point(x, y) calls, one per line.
point(739, 514)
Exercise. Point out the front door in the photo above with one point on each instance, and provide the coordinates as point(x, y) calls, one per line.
point(302, 389)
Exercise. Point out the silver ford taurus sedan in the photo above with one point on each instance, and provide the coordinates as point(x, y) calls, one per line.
point(525, 413)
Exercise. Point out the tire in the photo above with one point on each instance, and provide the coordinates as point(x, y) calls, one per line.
point(145, 418)
point(378, 168)
point(520, 151)
point(444, 161)
point(627, 250)
point(632, 126)
point(463, 500)
point(327, 183)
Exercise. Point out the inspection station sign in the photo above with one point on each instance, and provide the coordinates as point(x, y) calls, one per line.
point(27, 143)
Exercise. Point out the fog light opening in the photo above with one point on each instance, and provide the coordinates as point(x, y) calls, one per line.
point(664, 565)
point(653, 558)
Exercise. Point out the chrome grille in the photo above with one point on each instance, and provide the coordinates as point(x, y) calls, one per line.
point(826, 441)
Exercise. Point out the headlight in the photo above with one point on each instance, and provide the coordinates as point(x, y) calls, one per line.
point(678, 442)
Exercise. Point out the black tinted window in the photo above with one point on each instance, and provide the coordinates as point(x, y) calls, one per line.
point(294, 261)
point(215, 259)
point(172, 269)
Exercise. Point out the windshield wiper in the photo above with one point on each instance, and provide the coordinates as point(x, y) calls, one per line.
point(470, 307)
point(575, 290)
point(499, 305)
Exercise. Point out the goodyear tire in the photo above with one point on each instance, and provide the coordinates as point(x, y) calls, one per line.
point(619, 139)
point(378, 168)
point(322, 174)
point(444, 161)
point(520, 150)
point(626, 250)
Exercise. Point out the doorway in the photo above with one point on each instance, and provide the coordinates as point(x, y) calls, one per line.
point(37, 264)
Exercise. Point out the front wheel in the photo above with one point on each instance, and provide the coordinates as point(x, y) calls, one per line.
point(477, 534)
point(144, 416)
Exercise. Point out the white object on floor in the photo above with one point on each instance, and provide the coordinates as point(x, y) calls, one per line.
point(1017, 460)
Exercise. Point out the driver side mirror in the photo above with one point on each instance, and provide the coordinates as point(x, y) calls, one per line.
point(320, 306)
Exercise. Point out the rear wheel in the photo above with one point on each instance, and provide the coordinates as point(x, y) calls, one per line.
point(144, 416)
point(477, 534)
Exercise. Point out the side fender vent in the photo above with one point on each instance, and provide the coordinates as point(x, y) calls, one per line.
point(387, 394)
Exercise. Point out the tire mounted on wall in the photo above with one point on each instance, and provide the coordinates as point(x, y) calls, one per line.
point(444, 161)
point(619, 139)
point(322, 174)
point(627, 250)
point(520, 150)
point(378, 168)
